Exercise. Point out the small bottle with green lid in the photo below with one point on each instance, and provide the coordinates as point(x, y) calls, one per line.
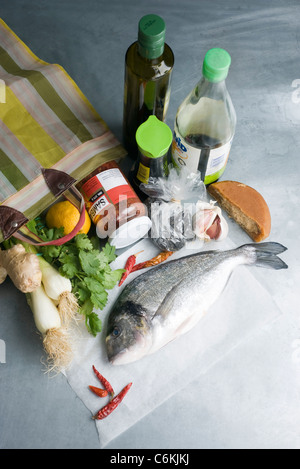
point(148, 67)
point(154, 139)
point(205, 121)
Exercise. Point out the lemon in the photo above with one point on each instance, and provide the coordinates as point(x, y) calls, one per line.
point(64, 214)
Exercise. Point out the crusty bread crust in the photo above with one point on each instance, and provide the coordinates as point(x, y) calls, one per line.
point(245, 205)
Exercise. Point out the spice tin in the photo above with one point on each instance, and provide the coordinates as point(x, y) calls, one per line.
point(113, 206)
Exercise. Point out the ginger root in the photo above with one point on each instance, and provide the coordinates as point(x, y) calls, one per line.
point(23, 268)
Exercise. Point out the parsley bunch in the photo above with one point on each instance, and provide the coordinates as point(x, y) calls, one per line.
point(88, 268)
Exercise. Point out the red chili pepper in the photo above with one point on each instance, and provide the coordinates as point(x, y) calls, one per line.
point(104, 382)
point(154, 261)
point(112, 405)
point(98, 391)
point(128, 267)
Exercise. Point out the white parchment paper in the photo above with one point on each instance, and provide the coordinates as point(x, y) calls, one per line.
point(242, 309)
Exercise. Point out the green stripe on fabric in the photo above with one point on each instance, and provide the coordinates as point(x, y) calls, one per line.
point(49, 95)
point(12, 172)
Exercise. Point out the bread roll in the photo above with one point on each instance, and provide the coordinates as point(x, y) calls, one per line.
point(245, 205)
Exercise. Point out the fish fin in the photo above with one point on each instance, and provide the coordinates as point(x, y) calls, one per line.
point(266, 255)
point(269, 247)
point(167, 303)
point(187, 325)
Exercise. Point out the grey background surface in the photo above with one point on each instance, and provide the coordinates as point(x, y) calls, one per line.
point(250, 399)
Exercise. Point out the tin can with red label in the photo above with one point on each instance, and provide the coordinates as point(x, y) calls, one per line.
point(113, 206)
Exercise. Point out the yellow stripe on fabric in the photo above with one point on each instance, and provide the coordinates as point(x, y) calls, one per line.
point(29, 132)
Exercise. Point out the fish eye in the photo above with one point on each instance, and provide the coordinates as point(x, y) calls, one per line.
point(116, 332)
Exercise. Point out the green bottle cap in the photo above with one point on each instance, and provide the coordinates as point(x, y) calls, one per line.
point(216, 65)
point(151, 36)
point(153, 137)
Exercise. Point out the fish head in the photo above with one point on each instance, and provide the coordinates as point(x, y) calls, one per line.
point(128, 336)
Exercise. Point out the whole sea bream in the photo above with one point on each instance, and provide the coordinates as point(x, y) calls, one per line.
point(168, 300)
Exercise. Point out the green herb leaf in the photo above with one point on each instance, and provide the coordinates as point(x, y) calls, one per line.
point(99, 300)
point(87, 308)
point(93, 285)
point(69, 270)
point(50, 234)
point(95, 242)
point(110, 278)
point(98, 293)
point(89, 263)
point(31, 225)
point(83, 242)
point(67, 257)
point(93, 324)
point(82, 292)
point(52, 252)
point(106, 256)
point(109, 252)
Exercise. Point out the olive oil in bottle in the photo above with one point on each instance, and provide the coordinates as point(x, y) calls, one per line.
point(148, 67)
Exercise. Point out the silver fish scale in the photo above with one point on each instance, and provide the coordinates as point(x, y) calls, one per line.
point(151, 288)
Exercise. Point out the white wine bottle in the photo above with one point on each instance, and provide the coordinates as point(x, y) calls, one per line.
point(205, 121)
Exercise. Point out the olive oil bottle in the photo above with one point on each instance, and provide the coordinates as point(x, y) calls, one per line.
point(148, 67)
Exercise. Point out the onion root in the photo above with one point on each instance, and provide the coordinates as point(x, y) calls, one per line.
point(67, 307)
point(58, 348)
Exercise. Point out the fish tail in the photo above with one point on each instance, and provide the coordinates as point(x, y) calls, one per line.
point(265, 255)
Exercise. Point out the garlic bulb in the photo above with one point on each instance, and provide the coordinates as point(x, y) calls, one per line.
point(208, 222)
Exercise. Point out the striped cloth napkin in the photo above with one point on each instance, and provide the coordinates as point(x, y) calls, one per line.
point(45, 122)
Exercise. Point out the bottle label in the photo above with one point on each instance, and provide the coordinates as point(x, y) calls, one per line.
point(184, 154)
point(143, 173)
point(106, 188)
